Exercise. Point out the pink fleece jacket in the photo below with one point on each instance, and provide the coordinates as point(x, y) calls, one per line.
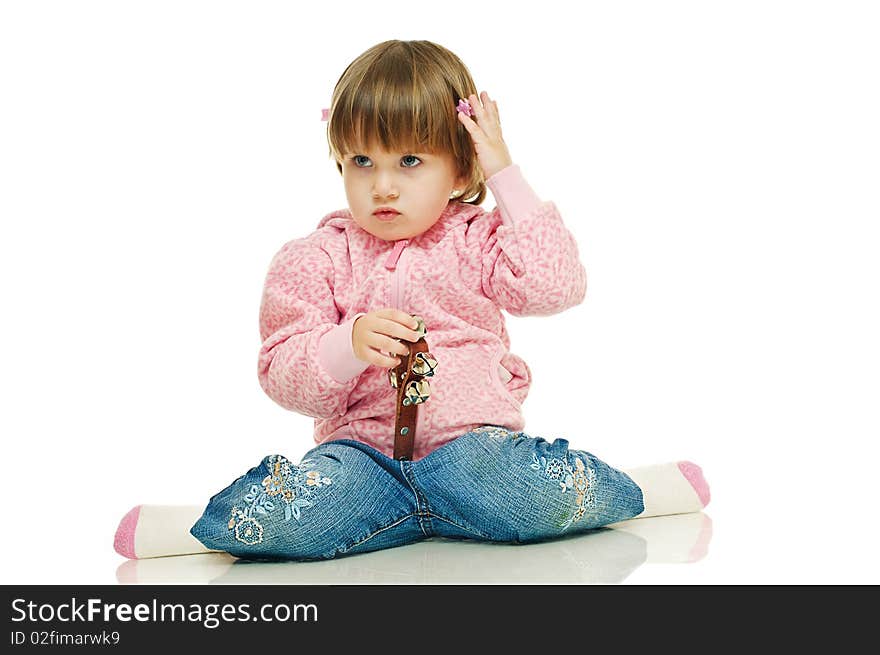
point(458, 276)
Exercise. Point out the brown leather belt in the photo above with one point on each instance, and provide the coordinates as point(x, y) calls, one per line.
point(412, 390)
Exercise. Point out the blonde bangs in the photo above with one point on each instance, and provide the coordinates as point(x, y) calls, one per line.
point(377, 113)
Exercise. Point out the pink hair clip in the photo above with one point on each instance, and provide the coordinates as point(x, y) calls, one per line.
point(325, 114)
point(464, 107)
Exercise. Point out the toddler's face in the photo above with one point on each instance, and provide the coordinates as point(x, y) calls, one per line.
point(416, 185)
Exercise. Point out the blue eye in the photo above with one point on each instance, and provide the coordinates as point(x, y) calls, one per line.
point(410, 161)
point(361, 161)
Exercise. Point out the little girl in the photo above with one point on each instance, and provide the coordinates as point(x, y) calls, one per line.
point(414, 441)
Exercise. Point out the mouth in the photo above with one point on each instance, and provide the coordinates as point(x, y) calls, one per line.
point(386, 214)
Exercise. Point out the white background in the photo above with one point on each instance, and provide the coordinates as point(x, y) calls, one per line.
point(717, 163)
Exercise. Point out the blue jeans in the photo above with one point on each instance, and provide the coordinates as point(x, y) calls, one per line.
point(345, 497)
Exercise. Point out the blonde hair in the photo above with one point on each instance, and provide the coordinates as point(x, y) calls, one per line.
point(400, 95)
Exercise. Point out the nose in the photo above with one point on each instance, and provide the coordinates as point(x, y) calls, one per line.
point(384, 186)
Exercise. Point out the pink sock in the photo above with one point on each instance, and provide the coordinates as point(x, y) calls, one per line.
point(671, 488)
point(694, 475)
point(123, 542)
point(157, 531)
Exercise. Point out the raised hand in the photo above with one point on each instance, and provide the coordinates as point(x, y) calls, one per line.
point(492, 153)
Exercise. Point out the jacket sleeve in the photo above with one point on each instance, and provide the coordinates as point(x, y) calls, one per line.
point(306, 362)
point(530, 260)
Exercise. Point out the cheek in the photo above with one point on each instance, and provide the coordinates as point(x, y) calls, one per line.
point(353, 187)
point(436, 184)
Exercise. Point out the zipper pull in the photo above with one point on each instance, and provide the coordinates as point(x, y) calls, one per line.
point(394, 255)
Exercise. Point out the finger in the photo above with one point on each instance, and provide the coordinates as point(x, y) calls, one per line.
point(485, 105)
point(386, 335)
point(376, 356)
point(397, 316)
point(473, 129)
point(486, 119)
point(382, 360)
point(386, 345)
point(486, 101)
point(493, 108)
point(391, 346)
point(406, 319)
point(396, 330)
point(477, 106)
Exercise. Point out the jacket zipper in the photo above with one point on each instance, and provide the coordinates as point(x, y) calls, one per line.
point(396, 263)
point(400, 272)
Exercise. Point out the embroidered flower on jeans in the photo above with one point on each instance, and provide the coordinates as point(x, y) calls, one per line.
point(584, 486)
point(491, 430)
point(249, 531)
point(580, 478)
point(274, 484)
point(555, 469)
point(291, 485)
point(315, 479)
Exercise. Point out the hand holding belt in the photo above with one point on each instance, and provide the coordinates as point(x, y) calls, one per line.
point(412, 390)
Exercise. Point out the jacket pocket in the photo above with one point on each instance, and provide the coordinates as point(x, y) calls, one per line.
point(510, 376)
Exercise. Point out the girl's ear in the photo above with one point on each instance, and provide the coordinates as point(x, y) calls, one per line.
point(459, 188)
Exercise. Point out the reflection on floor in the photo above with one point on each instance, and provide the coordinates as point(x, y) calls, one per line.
point(607, 555)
